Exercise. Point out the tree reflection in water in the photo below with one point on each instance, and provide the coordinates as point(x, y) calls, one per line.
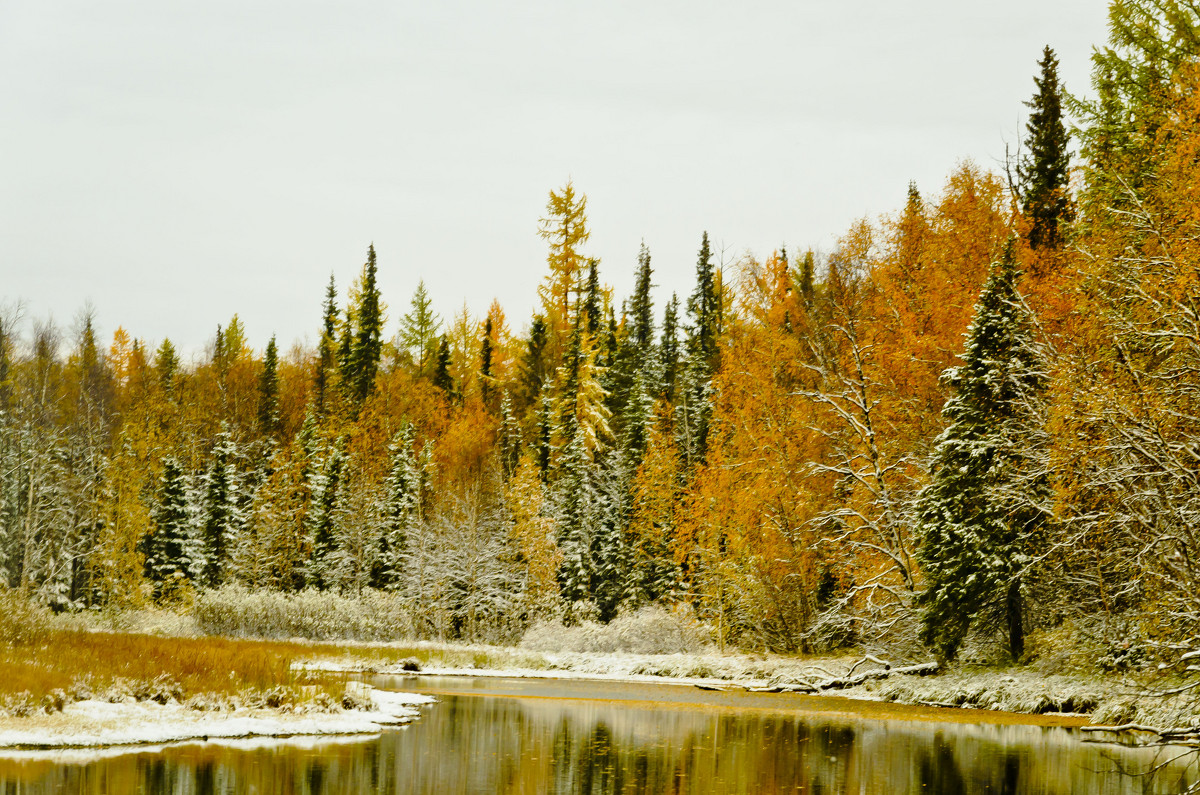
point(485, 744)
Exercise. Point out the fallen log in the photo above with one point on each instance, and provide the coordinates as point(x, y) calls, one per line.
point(920, 669)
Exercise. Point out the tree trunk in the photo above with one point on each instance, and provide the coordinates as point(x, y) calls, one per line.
point(1014, 613)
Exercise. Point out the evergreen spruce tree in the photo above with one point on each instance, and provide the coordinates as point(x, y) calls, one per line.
point(989, 492)
point(220, 357)
point(401, 511)
point(695, 403)
point(1044, 170)
point(593, 300)
point(534, 368)
point(669, 348)
point(219, 515)
point(368, 337)
point(326, 349)
point(441, 373)
point(807, 280)
point(510, 438)
point(608, 339)
point(574, 505)
point(641, 306)
point(167, 558)
point(345, 353)
point(609, 552)
point(268, 392)
point(638, 412)
point(486, 352)
point(568, 395)
point(326, 490)
point(545, 433)
point(704, 309)
point(166, 362)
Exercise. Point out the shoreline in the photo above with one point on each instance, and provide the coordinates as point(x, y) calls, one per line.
point(91, 724)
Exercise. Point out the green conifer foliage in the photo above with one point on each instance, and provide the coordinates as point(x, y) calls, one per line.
point(268, 392)
point(486, 352)
point(989, 492)
point(669, 348)
point(593, 299)
point(704, 309)
point(545, 433)
point(368, 337)
point(806, 282)
point(219, 515)
point(220, 357)
point(326, 349)
point(326, 489)
point(402, 509)
point(575, 498)
point(166, 362)
point(1043, 171)
point(510, 438)
point(609, 552)
point(534, 367)
point(441, 373)
point(641, 306)
point(167, 559)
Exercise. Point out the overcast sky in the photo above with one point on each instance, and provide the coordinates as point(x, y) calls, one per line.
point(177, 162)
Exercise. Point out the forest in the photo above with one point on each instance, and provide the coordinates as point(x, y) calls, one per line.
point(972, 424)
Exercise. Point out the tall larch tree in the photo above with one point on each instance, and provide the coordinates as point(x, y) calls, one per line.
point(564, 228)
point(419, 331)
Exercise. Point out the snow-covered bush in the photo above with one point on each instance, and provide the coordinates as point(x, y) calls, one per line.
point(317, 615)
point(650, 630)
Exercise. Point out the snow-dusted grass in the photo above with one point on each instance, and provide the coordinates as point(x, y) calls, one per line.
point(90, 722)
point(44, 667)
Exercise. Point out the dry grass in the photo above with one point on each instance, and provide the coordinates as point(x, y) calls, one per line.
point(38, 657)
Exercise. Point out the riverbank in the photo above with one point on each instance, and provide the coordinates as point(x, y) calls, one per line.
point(1081, 698)
point(92, 723)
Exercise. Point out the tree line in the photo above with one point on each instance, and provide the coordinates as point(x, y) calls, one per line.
point(970, 422)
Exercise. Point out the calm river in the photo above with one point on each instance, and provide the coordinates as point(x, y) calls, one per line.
point(538, 736)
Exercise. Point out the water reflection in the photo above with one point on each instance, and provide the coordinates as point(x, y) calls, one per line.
point(488, 744)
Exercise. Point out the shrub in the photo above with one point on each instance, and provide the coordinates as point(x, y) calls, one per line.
point(650, 630)
point(234, 611)
point(22, 623)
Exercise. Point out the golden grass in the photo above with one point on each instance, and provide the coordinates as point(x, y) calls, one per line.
point(40, 653)
point(37, 658)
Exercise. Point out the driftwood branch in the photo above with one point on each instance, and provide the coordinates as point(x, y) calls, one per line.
point(850, 679)
point(1177, 734)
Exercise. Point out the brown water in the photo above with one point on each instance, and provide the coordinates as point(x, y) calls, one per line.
point(529, 736)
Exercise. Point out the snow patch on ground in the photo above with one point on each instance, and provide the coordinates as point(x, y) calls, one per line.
point(99, 723)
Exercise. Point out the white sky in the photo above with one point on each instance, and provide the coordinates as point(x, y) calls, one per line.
point(177, 162)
